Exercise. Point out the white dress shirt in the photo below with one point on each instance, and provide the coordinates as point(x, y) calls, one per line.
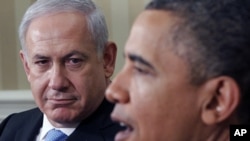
point(48, 126)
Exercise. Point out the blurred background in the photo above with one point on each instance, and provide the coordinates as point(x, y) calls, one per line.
point(14, 88)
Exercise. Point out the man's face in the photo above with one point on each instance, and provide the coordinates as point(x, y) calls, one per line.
point(66, 76)
point(153, 94)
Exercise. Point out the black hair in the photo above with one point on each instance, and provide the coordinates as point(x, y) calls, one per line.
point(221, 31)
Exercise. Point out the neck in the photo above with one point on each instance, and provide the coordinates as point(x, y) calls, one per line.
point(220, 134)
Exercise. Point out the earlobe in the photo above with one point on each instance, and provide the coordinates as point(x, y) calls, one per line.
point(109, 58)
point(25, 63)
point(222, 100)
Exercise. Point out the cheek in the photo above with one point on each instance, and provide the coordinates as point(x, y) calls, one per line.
point(151, 97)
point(88, 87)
point(150, 119)
point(152, 104)
point(38, 85)
point(38, 78)
point(88, 77)
point(83, 84)
point(147, 106)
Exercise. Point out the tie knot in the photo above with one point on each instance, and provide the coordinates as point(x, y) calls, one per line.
point(55, 135)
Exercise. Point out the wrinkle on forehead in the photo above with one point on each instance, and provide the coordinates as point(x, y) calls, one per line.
point(63, 25)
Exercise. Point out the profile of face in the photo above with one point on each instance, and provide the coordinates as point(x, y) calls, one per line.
point(154, 97)
point(67, 77)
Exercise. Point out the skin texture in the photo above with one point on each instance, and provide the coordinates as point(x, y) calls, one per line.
point(67, 78)
point(154, 85)
point(153, 93)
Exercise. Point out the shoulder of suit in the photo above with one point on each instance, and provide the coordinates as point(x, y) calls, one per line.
point(23, 117)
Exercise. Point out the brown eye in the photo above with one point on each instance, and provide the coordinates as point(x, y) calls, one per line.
point(74, 62)
point(141, 71)
point(41, 62)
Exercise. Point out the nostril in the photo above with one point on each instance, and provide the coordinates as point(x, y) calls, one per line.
point(115, 101)
point(62, 89)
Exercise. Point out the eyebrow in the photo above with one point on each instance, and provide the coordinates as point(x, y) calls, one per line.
point(39, 56)
point(139, 59)
point(74, 52)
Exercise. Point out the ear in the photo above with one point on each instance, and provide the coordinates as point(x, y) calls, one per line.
point(25, 64)
point(221, 100)
point(109, 58)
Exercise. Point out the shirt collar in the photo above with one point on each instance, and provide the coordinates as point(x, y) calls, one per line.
point(48, 126)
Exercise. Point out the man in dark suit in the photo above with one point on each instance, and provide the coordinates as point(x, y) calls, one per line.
point(68, 62)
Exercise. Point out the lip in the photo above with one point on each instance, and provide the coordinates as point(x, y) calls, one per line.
point(61, 101)
point(123, 134)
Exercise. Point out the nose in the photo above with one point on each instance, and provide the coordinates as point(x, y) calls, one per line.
point(58, 79)
point(117, 92)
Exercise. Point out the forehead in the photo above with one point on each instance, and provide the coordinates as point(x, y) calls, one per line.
point(57, 25)
point(57, 34)
point(158, 20)
point(152, 35)
point(154, 27)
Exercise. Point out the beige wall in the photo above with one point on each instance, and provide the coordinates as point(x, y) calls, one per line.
point(119, 14)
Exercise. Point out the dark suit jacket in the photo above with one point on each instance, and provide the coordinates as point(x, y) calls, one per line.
point(25, 126)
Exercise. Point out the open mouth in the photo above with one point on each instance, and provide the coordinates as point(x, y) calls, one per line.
point(125, 133)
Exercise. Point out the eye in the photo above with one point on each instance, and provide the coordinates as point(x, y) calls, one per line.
point(41, 62)
point(141, 70)
point(74, 62)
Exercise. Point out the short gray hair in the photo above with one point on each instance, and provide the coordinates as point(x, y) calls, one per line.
point(95, 19)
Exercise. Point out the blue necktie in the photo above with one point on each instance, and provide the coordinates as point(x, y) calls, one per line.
point(55, 135)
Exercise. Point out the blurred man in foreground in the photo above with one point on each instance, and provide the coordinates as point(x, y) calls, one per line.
point(187, 73)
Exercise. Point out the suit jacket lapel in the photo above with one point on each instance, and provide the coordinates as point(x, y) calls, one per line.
point(91, 128)
point(31, 130)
